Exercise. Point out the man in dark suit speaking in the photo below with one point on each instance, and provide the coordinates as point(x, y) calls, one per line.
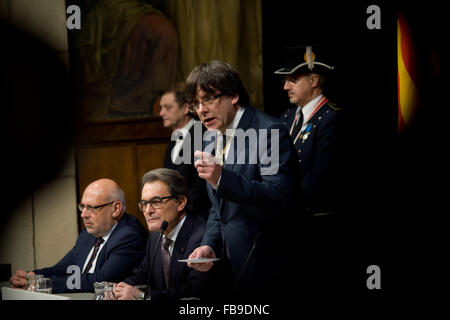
point(110, 246)
point(251, 181)
point(165, 197)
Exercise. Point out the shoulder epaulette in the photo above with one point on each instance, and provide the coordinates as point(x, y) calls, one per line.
point(333, 106)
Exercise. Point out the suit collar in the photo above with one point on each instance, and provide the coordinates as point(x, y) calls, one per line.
point(246, 118)
point(179, 248)
point(183, 236)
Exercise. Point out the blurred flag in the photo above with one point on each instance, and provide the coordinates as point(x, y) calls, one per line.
point(408, 96)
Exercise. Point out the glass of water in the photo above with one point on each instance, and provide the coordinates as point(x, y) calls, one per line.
point(43, 285)
point(104, 290)
point(31, 280)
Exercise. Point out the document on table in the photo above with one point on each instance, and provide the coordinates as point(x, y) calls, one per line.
point(199, 260)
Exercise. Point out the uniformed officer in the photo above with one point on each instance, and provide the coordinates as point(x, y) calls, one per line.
point(314, 127)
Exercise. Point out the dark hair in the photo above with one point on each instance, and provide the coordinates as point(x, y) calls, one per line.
point(178, 90)
point(216, 76)
point(174, 181)
point(180, 97)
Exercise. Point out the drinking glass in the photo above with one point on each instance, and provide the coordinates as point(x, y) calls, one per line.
point(104, 290)
point(31, 281)
point(43, 285)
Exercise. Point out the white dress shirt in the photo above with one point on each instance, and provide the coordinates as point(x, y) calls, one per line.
point(174, 234)
point(179, 142)
point(230, 133)
point(105, 237)
point(308, 109)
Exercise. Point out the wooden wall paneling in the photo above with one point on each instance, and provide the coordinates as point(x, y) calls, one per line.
point(122, 150)
point(115, 162)
point(149, 157)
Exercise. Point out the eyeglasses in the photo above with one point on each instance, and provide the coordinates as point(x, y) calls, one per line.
point(93, 209)
point(206, 101)
point(155, 202)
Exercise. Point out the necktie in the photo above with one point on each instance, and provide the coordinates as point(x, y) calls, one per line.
point(97, 244)
point(298, 125)
point(222, 147)
point(165, 257)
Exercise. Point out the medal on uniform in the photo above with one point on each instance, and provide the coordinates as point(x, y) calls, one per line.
point(305, 133)
point(305, 136)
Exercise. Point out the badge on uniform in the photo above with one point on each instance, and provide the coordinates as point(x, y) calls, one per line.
point(305, 134)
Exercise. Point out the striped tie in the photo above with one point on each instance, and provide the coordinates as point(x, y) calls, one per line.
point(97, 244)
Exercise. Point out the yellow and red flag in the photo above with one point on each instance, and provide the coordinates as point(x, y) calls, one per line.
point(408, 95)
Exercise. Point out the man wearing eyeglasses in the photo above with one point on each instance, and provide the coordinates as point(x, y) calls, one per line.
point(249, 203)
point(111, 245)
point(166, 197)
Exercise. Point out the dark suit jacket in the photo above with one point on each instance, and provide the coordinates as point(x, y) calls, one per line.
point(200, 200)
point(248, 203)
point(319, 157)
point(183, 281)
point(123, 251)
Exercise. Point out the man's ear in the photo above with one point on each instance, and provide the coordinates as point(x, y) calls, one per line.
point(182, 200)
point(117, 209)
point(186, 109)
point(314, 78)
point(235, 99)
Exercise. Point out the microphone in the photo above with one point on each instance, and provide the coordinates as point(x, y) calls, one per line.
point(255, 244)
point(164, 225)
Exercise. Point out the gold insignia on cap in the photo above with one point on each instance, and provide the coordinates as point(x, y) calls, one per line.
point(309, 57)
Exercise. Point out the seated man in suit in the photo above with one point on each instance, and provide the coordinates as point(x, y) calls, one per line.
point(175, 115)
point(165, 197)
point(111, 245)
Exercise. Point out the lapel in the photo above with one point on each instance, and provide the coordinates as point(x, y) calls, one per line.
point(314, 121)
point(88, 244)
point(167, 156)
point(179, 249)
point(289, 118)
point(157, 272)
point(244, 123)
point(103, 253)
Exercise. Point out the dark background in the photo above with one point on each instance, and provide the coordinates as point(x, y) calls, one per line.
point(390, 194)
point(394, 185)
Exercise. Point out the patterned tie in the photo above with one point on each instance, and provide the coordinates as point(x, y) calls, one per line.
point(221, 155)
point(165, 257)
point(298, 125)
point(97, 244)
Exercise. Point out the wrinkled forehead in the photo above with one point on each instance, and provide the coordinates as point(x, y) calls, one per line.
point(155, 188)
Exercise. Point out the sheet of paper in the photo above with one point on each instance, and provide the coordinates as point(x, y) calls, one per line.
point(199, 260)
